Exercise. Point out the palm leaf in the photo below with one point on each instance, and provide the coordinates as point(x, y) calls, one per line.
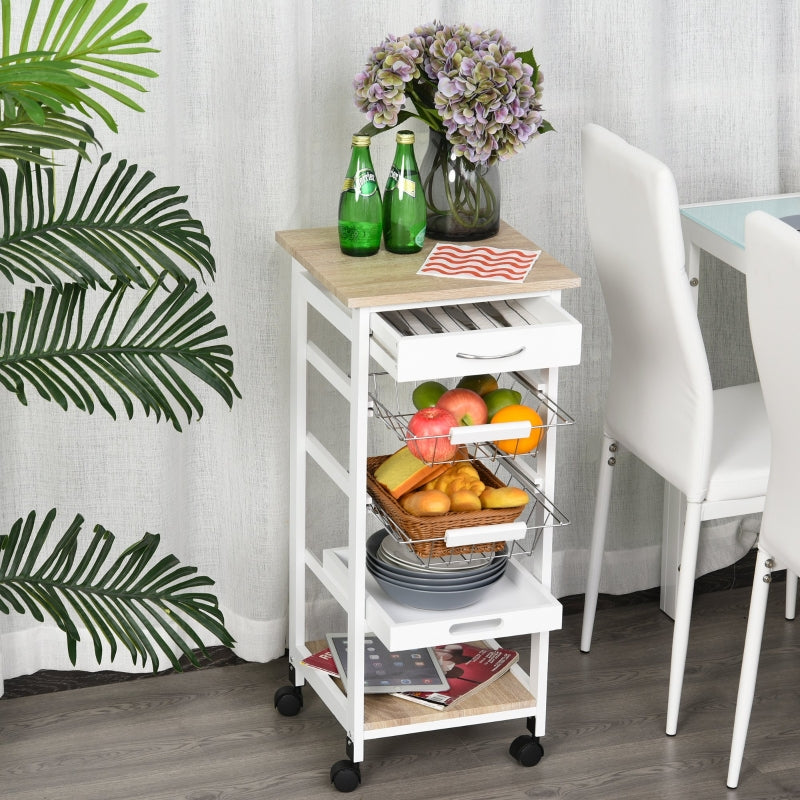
point(34, 95)
point(22, 139)
point(148, 358)
point(122, 223)
point(88, 40)
point(147, 607)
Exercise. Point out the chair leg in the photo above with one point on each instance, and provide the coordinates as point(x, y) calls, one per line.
point(683, 613)
point(602, 502)
point(791, 594)
point(750, 657)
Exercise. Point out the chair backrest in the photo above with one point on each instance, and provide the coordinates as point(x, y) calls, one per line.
point(772, 253)
point(660, 399)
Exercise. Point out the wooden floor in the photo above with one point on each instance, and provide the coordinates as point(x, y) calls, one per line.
point(214, 735)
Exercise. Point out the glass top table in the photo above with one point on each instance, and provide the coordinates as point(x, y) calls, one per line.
point(718, 227)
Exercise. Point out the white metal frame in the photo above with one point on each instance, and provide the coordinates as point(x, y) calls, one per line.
point(347, 582)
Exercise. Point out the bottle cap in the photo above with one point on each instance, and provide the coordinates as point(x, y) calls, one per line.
point(405, 137)
point(360, 141)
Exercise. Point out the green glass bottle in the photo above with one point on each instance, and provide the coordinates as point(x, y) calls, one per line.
point(360, 204)
point(404, 213)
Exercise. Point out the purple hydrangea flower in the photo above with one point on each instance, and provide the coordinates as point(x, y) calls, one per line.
point(380, 87)
point(464, 81)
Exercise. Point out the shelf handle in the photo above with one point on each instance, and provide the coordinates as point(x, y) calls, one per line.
point(491, 432)
point(489, 358)
point(480, 534)
point(487, 625)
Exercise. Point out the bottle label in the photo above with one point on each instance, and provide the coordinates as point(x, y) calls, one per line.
point(406, 185)
point(364, 183)
point(419, 239)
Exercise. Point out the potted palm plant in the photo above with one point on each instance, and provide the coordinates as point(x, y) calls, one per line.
point(151, 336)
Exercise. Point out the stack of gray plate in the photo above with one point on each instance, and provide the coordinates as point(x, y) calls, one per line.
point(438, 583)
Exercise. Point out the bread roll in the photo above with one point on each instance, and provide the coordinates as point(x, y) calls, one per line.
point(464, 500)
point(426, 503)
point(504, 497)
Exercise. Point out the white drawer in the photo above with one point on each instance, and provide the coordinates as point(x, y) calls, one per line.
point(549, 338)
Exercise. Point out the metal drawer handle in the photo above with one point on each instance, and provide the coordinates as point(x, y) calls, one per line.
point(505, 355)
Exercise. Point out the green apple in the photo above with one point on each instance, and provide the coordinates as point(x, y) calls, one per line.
point(500, 398)
point(427, 394)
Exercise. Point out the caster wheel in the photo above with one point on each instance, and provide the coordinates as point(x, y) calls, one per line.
point(289, 700)
point(526, 750)
point(345, 776)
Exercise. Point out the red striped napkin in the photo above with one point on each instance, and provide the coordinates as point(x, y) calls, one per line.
point(479, 263)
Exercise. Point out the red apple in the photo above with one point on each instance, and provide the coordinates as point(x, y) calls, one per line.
point(428, 436)
point(468, 407)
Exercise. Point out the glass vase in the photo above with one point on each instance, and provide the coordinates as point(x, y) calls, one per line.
point(463, 199)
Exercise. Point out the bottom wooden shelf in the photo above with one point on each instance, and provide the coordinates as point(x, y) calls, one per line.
point(502, 697)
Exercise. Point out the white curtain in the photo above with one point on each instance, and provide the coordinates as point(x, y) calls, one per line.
point(251, 116)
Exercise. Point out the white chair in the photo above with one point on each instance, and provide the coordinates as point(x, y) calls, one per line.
point(712, 445)
point(772, 252)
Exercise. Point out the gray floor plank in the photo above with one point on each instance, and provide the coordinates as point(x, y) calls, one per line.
point(214, 735)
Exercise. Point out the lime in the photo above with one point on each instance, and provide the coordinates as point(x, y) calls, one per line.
point(500, 398)
point(482, 384)
point(427, 394)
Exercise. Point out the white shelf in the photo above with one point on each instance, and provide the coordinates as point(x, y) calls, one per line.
point(516, 604)
point(384, 715)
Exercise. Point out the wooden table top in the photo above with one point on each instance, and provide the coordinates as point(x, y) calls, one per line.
point(387, 279)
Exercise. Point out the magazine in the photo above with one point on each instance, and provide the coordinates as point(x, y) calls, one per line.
point(468, 669)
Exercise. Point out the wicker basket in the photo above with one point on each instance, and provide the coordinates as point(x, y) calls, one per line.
point(427, 533)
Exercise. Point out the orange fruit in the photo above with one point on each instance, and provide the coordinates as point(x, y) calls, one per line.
point(518, 413)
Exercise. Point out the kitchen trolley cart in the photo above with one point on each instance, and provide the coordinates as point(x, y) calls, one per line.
point(400, 328)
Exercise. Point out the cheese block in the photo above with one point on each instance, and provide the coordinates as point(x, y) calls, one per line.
point(402, 471)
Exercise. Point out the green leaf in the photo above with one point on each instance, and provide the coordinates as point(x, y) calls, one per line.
point(77, 50)
point(145, 608)
point(120, 66)
point(527, 58)
point(149, 358)
point(119, 226)
point(23, 139)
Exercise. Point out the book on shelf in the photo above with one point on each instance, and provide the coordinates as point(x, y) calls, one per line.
point(467, 668)
point(323, 660)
